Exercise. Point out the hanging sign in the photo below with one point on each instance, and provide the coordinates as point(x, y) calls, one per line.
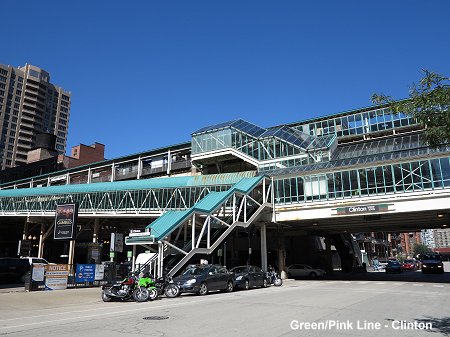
point(65, 221)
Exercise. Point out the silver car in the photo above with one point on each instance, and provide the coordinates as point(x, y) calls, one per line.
point(303, 270)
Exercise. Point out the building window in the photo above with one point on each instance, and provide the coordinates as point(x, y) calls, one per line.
point(33, 73)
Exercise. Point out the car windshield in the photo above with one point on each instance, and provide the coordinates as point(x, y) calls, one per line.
point(194, 270)
point(408, 261)
point(238, 270)
point(432, 257)
point(393, 263)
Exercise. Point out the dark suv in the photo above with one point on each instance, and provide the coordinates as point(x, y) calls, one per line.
point(432, 263)
point(13, 269)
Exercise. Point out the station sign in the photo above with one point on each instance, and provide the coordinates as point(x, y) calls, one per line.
point(361, 209)
point(65, 221)
point(139, 232)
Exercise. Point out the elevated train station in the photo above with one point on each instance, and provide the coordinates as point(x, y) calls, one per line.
point(237, 193)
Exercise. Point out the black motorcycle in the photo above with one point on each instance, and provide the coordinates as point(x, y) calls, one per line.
point(273, 278)
point(125, 290)
point(164, 285)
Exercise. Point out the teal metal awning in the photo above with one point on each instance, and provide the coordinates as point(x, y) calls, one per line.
point(131, 185)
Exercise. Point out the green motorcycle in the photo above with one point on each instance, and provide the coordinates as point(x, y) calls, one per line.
point(148, 283)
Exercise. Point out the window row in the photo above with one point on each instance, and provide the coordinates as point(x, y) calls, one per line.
point(395, 178)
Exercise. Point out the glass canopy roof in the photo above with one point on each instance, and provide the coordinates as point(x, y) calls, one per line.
point(396, 148)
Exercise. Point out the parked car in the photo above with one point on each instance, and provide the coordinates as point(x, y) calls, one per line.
point(32, 260)
point(432, 263)
point(13, 269)
point(410, 265)
point(247, 277)
point(303, 270)
point(393, 267)
point(202, 278)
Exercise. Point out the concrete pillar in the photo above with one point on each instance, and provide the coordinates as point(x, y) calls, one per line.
point(25, 230)
point(41, 241)
point(96, 230)
point(281, 254)
point(263, 247)
point(328, 256)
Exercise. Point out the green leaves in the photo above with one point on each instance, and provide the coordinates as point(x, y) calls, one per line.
point(428, 103)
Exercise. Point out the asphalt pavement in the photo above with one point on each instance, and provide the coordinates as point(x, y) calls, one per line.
point(300, 307)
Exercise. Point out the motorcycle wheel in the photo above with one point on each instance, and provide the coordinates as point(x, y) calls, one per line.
point(172, 291)
point(141, 294)
point(278, 282)
point(105, 297)
point(153, 294)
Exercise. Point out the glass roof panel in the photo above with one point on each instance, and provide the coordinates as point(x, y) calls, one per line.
point(238, 124)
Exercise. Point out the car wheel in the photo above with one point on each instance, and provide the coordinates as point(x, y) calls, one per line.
point(172, 291)
point(313, 275)
point(230, 287)
point(203, 289)
point(264, 283)
point(246, 285)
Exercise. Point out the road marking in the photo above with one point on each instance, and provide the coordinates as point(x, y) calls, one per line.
point(381, 283)
point(438, 286)
point(363, 282)
point(399, 283)
point(417, 285)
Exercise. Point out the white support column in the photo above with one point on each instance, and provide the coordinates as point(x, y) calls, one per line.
point(263, 247)
point(193, 232)
point(41, 241)
point(169, 162)
point(71, 252)
point(89, 178)
point(208, 234)
point(133, 259)
point(264, 191)
point(160, 258)
point(139, 168)
point(113, 172)
point(245, 208)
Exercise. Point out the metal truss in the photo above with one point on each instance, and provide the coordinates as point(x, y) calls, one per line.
point(139, 202)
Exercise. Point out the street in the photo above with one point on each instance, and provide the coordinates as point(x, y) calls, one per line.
point(299, 307)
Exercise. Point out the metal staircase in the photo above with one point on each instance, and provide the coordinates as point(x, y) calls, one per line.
point(239, 206)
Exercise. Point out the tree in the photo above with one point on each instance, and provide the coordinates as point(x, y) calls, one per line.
point(429, 103)
point(421, 249)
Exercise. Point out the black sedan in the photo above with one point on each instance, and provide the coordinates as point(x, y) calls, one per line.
point(393, 267)
point(249, 276)
point(201, 279)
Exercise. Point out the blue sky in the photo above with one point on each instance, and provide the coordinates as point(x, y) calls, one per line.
point(145, 74)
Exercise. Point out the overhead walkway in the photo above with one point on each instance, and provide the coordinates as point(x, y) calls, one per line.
point(211, 220)
point(133, 198)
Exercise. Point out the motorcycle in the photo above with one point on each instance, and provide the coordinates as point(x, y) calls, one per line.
point(165, 285)
point(125, 290)
point(147, 282)
point(273, 278)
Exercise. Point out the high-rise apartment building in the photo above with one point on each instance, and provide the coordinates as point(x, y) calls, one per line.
point(427, 236)
point(442, 237)
point(29, 104)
